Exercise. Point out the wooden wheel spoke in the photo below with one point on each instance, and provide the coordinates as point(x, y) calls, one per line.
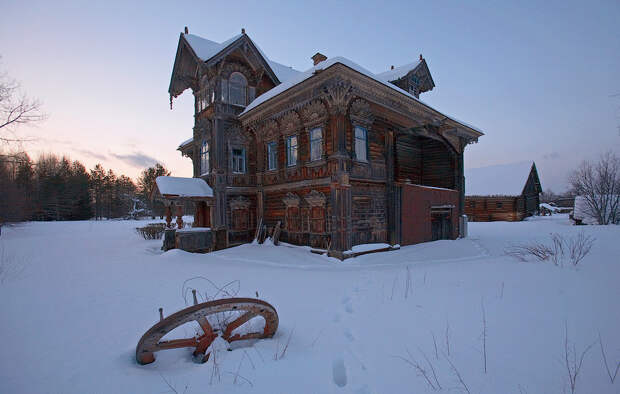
point(177, 343)
point(252, 335)
point(238, 322)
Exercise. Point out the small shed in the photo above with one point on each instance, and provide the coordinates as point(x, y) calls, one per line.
point(175, 190)
point(508, 192)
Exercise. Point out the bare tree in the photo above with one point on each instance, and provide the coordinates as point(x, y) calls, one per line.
point(599, 185)
point(16, 109)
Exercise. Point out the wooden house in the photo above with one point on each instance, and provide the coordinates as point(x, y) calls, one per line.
point(503, 192)
point(338, 155)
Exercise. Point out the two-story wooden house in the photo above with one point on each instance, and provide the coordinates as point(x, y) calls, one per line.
point(339, 155)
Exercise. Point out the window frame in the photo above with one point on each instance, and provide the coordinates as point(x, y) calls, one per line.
point(272, 148)
point(315, 140)
point(365, 139)
point(237, 81)
point(290, 148)
point(205, 157)
point(234, 162)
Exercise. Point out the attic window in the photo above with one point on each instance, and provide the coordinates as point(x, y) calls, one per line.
point(237, 87)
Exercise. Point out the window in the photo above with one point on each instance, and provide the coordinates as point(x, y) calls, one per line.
point(240, 219)
point(292, 219)
point(202, 99)
point(291, 150)
point(498, 204)
point(237, 89)
point(238, 161)
point(316, 144)
point(204, 158)
point(361, 144)
point(272, 156)
point(317, 220)
point(224, 89)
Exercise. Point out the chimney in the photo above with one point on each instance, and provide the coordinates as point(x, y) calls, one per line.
point(391, 67)
point(186, 30)
point(318, 58)
point(421, 58)
point(243, 30)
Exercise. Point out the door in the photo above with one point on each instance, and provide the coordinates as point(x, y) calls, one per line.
point(441, 224)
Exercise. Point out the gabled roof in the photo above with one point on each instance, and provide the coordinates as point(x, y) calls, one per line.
point(499, 180)
point(301, 77)
point(206, 50)
point(398, 72)
point(416, 67)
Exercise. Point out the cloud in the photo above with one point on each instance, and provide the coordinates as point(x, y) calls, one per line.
point(136, 159)
point(551, 156)
point(88, 153)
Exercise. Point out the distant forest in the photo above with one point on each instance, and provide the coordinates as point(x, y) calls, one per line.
point(57, 188)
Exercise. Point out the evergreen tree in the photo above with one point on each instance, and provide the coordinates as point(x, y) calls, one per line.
point(146, 183)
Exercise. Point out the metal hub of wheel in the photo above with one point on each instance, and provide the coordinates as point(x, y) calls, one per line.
point(216, 318)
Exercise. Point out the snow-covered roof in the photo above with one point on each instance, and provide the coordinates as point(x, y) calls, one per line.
point(301, 77)
point(206, 49)
point(398, 72)
point(186, 142)
point(497, 180)
point(183, 187)
point(549, 207)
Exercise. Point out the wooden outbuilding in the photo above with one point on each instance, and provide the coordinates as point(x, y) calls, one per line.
point(338, 155)
point(508, 192)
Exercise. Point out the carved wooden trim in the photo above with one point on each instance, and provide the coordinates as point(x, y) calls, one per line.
point(315, 199)
point(291, 200)
point(361, 113)
point(314, 113)
point(239, 203)
point(269, 130)
point(231, 67)
point(338, 93)
point(290, 122)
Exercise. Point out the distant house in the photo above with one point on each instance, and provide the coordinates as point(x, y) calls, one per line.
point(507, 192)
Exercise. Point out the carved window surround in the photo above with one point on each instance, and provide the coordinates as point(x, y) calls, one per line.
point(291, 200)
point(292, 217)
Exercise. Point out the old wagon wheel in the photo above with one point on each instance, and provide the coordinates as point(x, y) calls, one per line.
point(236, 311)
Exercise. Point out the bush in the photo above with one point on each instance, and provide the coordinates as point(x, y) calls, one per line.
point(152, 231)
point(574, 248)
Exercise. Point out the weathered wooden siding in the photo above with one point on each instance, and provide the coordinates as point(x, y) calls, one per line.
point(488, 209)
point(368, 213)
point(275, 211)
point(438, 164)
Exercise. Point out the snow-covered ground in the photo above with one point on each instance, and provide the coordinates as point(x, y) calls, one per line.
point(75, 297)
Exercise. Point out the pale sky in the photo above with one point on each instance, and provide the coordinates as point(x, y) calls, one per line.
point(541, 79)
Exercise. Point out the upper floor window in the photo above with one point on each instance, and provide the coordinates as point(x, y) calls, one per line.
point(272, 156)
point(237, 87)
point(204, 158)
point(203, 99)
point(316, 144)
point(361, 143)
point(224, 90)
point(238, 160)
point(291, 150)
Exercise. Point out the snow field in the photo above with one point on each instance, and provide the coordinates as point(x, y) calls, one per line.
point(85, 292)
